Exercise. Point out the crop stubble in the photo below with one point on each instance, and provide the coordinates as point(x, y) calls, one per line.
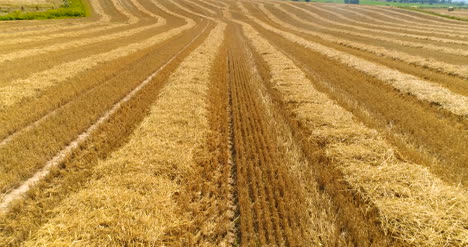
point(258, 137)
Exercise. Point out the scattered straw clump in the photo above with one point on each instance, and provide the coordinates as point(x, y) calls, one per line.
point(413, 205)
point(131, 199)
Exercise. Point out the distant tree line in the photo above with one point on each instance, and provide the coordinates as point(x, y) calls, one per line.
point(351, 1)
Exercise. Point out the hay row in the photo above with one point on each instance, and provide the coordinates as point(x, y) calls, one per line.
point(216, 4)
point(428, 37)
point(131, 19)
point(423, 90)
point(23, 88)
point(144, 10)
point(97, 8)
point(69, 33)
point(444, 22)
point(364, 14)
point(410, 15)
point(386, 24)
point(417, 129)
point(414, 205)
point(213, 10)
point(320, 224)
point(78, 43)
point(35, 146)
point(27, 216)
point(188, 10)
point(72, 91)
point(419, 35)
point(209, 195)
point(10, 174)
point(132, 194)
point(458, 70)
point(200, 7)
point(271, 213)
point(438, 48)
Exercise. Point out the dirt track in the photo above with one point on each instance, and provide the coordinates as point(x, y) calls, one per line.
point(215, 122)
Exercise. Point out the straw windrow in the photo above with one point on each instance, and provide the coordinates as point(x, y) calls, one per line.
point(368, 162)
point(131, 196)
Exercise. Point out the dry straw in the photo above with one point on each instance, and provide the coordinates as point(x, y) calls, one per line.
point(458, 70)
point(365, 14)
point(344, 30)
point(102, 24)
point(23, 88)
point(442, 22)
point(74, 44)
point(405, 83)
point(130, 199)
point(322, 227)
point(414, 205)
point(131, 19)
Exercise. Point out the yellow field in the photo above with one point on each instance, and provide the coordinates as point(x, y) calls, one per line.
point(234, 123)
point(457, 12)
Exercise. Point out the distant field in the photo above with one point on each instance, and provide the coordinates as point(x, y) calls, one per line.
point(463, 13)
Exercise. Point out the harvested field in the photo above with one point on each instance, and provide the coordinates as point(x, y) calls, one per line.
point(463, 13)
point(234, 123)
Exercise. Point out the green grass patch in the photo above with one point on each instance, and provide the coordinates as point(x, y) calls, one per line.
point(75, 8)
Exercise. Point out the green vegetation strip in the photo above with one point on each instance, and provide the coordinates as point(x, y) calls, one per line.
point(76, 8)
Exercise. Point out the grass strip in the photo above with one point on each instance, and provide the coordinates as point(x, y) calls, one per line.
point(76, 8)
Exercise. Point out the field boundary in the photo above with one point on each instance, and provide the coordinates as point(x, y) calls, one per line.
point(77, 8)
